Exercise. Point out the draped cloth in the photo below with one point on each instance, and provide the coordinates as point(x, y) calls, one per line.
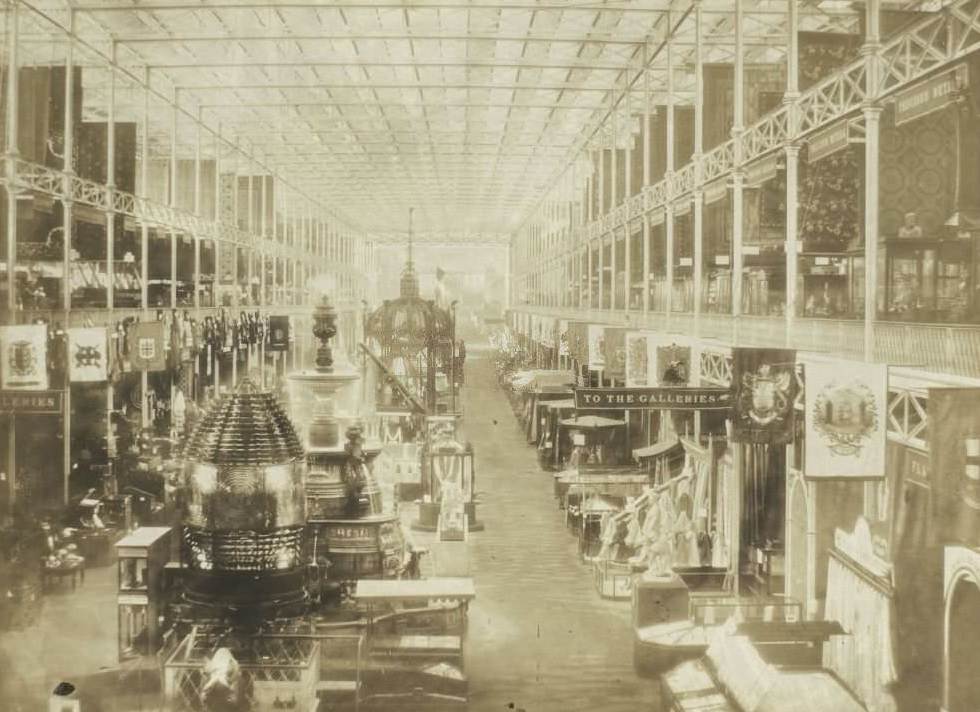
point(863, 659)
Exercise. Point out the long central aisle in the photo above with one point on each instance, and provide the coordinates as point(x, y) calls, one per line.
point(540, 638)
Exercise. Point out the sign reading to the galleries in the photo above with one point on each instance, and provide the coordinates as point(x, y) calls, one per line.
point(653, 398)
point(31, 401)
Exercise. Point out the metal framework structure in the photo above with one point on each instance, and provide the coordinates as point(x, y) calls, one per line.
point(469, 112)
point(553, 250)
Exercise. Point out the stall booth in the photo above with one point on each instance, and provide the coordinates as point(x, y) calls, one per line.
point(553, 451)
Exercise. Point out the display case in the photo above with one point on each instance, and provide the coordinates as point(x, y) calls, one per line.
point(142, 557)
point(929, 279)
point(831, 284)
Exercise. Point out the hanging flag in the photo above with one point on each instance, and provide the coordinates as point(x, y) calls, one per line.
point(614, 352)
point(954, 453)
point(25, 357)
point(278, 333)
point(146, 351)
point(846, 414)
point(88, 357)
point(637, 375)
point(596, 349)
point(673, 365)
point(763, 390)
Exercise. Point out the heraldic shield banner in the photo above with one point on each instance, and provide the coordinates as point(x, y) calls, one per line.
point(87, 354)
point(763, 389)
point(24, 350)
point(846, 414)
point(146, 346)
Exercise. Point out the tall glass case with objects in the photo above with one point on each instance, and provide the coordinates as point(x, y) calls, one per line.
point(930, 280)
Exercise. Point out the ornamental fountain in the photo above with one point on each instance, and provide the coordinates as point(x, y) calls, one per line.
point(350, 530)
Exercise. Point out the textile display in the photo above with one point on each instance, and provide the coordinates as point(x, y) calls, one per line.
point(596, 348)
point(845, 411)
point(637, 361)
point(146, 346)
point(954, 447)
point(614, 352)
point(87, 354)
point(25, 357)
point(763, 390)
point(278, 333)
point(864, 659)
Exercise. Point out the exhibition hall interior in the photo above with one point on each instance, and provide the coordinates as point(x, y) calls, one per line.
point(477, 355)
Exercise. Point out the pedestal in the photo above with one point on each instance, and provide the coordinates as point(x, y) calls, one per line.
point(428, 520)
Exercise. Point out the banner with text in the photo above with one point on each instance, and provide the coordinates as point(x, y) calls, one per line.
point(653, 398)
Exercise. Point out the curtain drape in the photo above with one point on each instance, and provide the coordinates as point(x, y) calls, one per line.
point(863, 658)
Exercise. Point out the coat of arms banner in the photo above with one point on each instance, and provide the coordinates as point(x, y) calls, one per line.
point(614, 352)
point(846, 414)
point(637, 373)
point(24, 352)
point(278, 333)
point(146, 347)
point(673, 365)
point(763, 390)
point(87, 354)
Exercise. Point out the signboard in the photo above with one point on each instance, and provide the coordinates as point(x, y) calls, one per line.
point(931, 95)
point(827, 142)
point(761, 171)
point(351, 537)
point(653, 398)
point(31, 401)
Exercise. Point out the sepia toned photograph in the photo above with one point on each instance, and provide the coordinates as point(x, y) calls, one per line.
point(490, 356)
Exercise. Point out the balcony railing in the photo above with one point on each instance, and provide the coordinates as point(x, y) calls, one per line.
point(933, 347)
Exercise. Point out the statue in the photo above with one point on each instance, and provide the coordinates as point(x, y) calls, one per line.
point(657, 551)
point(222, 690)
point(354, 472)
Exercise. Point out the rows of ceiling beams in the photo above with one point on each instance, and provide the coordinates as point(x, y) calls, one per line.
point(467, 111)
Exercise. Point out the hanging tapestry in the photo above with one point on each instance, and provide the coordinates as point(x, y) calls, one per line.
point(764, 387)
point(146, 346)
point(278, 333)
point(636, 360)
point(845, 413)
point(596, 350)
point(87, 354)
point(673, 365)
point(25, 357)
point(614, 352)
point(954, 447)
